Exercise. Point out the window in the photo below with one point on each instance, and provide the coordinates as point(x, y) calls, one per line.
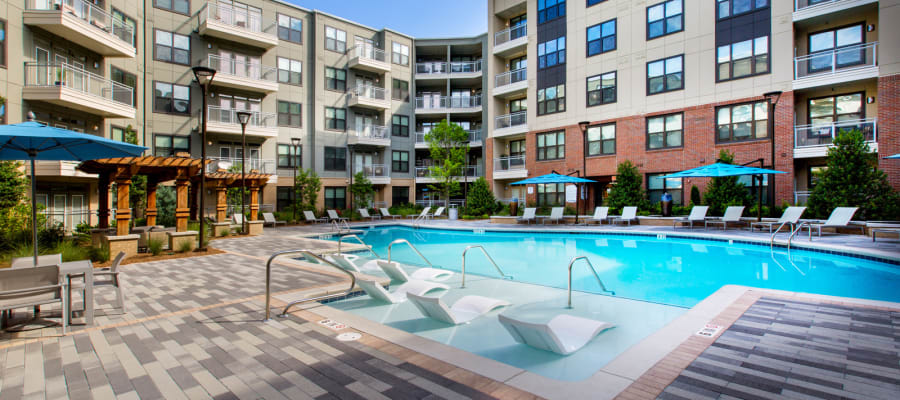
point(169, 145)
point(518, 105)
point(126, 79)
point(399, 53)
point(289, 71)
point(551, 100)
point(664, 131)
point(657, 185)
point(751, 183)
point(399, 161)
point(601, 38)
point(551, 146)
point(335, 159)
point(127, 21)
point(742, 122)
point(170, 98)
point(551, 194)
point(290, 28)
point(827, 110)
point(399, 195)
point(3, 43)
point(335, 198)
point(728, 8)
point(832, 47)
point(664, 18)
point(601, 89)
point(400, 125)
point(601, 139)
point(172, 47)
point(552, 52)
point(335, 119)
point(117, 134)
point(335, 79)
point(335, 39)
point(550, 9)
point(289, 114)
point(593, 2)
point(400, 90)
point(289, 156)
point(665, 75)
point(178, 6)
point(742, 59)
point(283, 197)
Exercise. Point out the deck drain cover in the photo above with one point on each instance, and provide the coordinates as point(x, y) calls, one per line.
point(349, 336)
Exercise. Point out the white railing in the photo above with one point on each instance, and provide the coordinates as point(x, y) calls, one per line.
point(830, 62)
point(512, 33)
point(93, 15)
point(453, 67)
point(441, 203)
point(429, 102)
point(801, 4)
point(474, 136)
point(229, 116)
point(237, 17)
point(233, 164)
point(464, 67)
point(801, 197)
point(509, 163)
point(244, 69)
point(510, 120)
point(470, 171)
point(431, 67)
point(824, 134)
point(370, 92)
point(65, 75)
point(510, 77)
point(368, 51)
point(373, 170)
point(371, 131)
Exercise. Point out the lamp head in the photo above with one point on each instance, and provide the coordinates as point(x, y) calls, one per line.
point(204, 75)
point(773, 96)
point(295, 141)
point(243, 117)
point(583, 125)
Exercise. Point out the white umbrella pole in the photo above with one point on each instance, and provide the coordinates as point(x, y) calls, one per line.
point(34, 241)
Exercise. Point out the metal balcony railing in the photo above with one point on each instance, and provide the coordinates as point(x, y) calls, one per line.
point(430, 102)
point(509, 34)
point(510, 120)
point(371, 131)
point(65, 75)
point(802, 4)
point(89, 13)
point(510, 77)
point(237, 17)
point(373, 170)
point(368, 51)
point(229, 116)
point(370, 92)
point(509, 163)
point(470, 171)
point(431, 67)
point(831, 62)
point(464, 67)
point(233, 164)
point(474, 136)
point(244, 69)
point(822, 135)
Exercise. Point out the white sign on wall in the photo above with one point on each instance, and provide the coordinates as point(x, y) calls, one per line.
point(531, 190)
point(571, 193)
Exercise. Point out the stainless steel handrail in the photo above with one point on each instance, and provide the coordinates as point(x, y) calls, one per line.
point(772, 238)
point(339, 225)
point(341, 239)
point(474, 246)
point(295, 302)
point(602, 286)
point(396, 241)
point(797, 229)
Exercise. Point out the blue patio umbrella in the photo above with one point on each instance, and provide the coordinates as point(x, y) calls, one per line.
point(718, 170)
point(895, 156)
point(36, 141)
point(555, 178)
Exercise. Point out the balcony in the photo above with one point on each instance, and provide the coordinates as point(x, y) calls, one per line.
point(378, 174)
point(234, 164)
point(369, 96)
point(510, 124)
point(58, 169)
point(475, 139)
point(75, 88)
point(372, 135)
point(82, 23)
point(443, 70)
point(225, 121)
point(814, 140)
point(236, 24)
point(368, 58)
point(510, 168)
point(511, 83)
point(511, 41)
point(472, 172)
point(448, 104)
point(808, 9)
point(234, 74)
point(841, 65)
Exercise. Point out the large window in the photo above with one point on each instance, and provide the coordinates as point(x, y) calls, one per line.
point(664, 131)
point(665, 75)
point(170, 98)
point(289, 114)
point(742, 122)
point(336, 79)
point(728, 8)
point(400, 125)
point(3, 41)
point(289, 156)
point(335, 198)
point(169, 145)
point(290, 71)
point(550, 9)
point(827, 110)
point(178, 6)
point(290, 28)
point(657, 185)
point(742, 59)
point(399, 53)
point(551, 194)
point(551, 146)
point(664, 18)
point(283, 197)
point(399, 161)
point(335, 119)
point(601, 38)
point(601, 89)
point(400, 90)
point(830, 44)
point(335, 39)
point(399, 195)
point(601, 139)
point(335, 159)
point(127, 79)
point(552, 52)
point(172, 47)
point(551, 100)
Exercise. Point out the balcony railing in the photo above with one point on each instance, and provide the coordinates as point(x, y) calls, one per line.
point(234, 164)
point(474, 136)
point(464, 67)
point(229, 116)
point(234, 16)
point(507, 35)
point(509, 163)
point(368, 51)
point(371, 131)
point(244, 69)
point(472, 171)
point(90, 13)
point(510, 77)
point(510, 120)
point(373, 170)
point(429, 102)
point(68, 76)
point(833, 61)
point(803, 4)
point(801, 197)
point(370, 92)
point(433, 67)
point(821, 135)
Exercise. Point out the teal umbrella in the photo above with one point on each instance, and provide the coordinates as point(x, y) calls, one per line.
point(555, 178)
point(719, 170)
point(895, 156)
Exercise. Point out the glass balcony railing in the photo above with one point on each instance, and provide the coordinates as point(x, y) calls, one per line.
point(431, 67)
point(234, 16)
point(831, 62)
point(234, 164)
point(510, 120)
point(71, 77)
point(371, 132)
point(89, 13)
point(369, 52)
point(430, 102)
point(229, 116)
point(244, 69)
point(510, 34)
point(474, 136)
point(465, 67)
point(472, 171)
point(373, 170)
point(510, 77)
point(824, 134)
point(804, 4)
point(509, 163)
point(370, 92)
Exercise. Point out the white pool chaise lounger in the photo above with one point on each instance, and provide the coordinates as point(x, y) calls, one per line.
point(399, 295)
point(396, 272)
point(564, 334)
point(464, 310)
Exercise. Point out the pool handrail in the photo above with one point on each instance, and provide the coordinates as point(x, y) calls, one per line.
point(339, 225)
point(295, 302)
point(588, 261)
point(396, 241)
point(772, 238)
point(341, 239)
point(491, 259)
point(794, 232)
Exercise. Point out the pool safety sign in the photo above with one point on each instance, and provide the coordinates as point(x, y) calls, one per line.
point(709, 330)
point(332, 324)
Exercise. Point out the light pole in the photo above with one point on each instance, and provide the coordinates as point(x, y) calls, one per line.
point(465, 175)
point(204, 76)
point(583, 125)
point(350, 187)
point(244, 118)
point(773, 100)
point(295, 143)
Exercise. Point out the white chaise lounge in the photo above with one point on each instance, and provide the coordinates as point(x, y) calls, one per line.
point(464, 310)
point(791, 215)
point(564, 334)
point(378, 292)
point(426, 212)
point(698, 215)
point(364, 213)
point(528, 216)
point(601, 214)
point(556, 215)
point(385, 213)
point(839, 218)
point(732, 216)
point(396, 272)
point(628, 214)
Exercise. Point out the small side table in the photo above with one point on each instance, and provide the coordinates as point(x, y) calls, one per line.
point(80, 269)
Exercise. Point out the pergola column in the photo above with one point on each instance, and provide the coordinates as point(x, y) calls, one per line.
point(123, 209)
point(254, 202)
point(151, 202)
point(103, 201)
point(221, 202)
point(182, 211)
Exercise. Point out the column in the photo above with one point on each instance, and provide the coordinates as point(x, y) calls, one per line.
point(103, 200)
point(182, 211)
point(123, 210)
point(254, 202)
point(221, 201)
point(151, 202)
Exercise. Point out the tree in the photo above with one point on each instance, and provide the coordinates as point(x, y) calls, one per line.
point(726, 191)
point(306, 190)
point(233, 195)
point(480, 201)
point(13, 184)
point(165, 205)
point(362, 190)
point(445, 142)
point(627, 191)
point(695, 195)
point(852, 179)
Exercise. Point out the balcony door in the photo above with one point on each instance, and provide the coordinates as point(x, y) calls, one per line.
point(42, 59)
point(366, 47)
point(364, 123)
point(364, 162)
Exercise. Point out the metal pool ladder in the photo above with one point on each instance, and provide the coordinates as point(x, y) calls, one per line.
point(411, 246)
point(588, 261)
point(339, 226)
point(295, 302)
point(341, 240)
point(463, 285)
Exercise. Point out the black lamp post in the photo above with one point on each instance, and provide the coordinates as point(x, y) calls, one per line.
point(773, 98)
point(295, 142)
point(350, 186)
point(583, 125)
point(244, 118)
point(204, 76)
point(465, 174)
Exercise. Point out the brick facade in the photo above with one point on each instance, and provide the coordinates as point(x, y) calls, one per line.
point(889, 127)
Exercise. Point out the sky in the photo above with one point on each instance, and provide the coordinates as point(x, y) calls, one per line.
point(417, 18)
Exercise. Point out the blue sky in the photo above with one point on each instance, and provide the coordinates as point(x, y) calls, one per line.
point(418, 18)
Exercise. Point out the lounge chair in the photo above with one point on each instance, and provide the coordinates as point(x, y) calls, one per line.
point(310, 217)
point(385, 213)
point(564, 334)
point(426, 212)
point(528, 216)
point(347, 262)
point(365, 214)
point(269, 219)
point(378, 292)
point(439, 213)
point(556, 215)
point(888, 230)
point(396, 272)
point(32, 287)
point(839, 218)
point(732, 215)
point(464, 310)
point(628, 214)
point(698, 215)
point(791, 216)
point(238, 219)
point(600, 214)
point(112, 273)
point(333, 216)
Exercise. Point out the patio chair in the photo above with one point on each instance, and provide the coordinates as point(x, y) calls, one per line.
point(600, 214)
point(396, 272)
point(556, 215)
point(385, 213)
point(564, 334)
point(628, 214)
point(109, 277)
point(426, 212)
point(32, 287)
point(732, 215)
point(269, 219)
point(439, 213)
point(310, 217)
point(365, 214)
point(28, 262)
point(791, 216)
point(464, 310)
point(333, 216)
point(839, 218)
point(528, 216)
point(378, 292)
point(698, 215)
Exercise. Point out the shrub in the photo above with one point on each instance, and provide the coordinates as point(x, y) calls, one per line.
point(165, 205)
point(155, 246)
point(627, 191)
point(99, 254)
point(51, 236)
point(71, 251)
point(480, 200)
point(695, 195)
point(185, 246)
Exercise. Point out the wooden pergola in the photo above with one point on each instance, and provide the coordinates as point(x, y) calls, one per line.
point(222, 181)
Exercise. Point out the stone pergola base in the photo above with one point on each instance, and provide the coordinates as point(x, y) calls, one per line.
point(126, 243)
point(177, 238)
point(255, 227)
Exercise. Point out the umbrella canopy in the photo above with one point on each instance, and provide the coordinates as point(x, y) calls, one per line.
point(895, 156)
point(721, 169)
point(552, 178)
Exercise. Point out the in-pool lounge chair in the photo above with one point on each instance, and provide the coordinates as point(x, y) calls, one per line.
point(528, 216)
point(269, 219)
point(378, 292)
point(698, 215)
point(349, 262)
point(839, 218)
point(333, 216)
point(556, 215)
point(365, 214)
point(426, 212)
point(564, 334)
point(464, 310)
point(396, 272)
point(732, 216)
point(601, 214)
point(310, 217)
point(628, 214)
point(791, 216)
point(385, 213)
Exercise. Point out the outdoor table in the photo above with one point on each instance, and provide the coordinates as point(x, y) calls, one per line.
point(80, 269)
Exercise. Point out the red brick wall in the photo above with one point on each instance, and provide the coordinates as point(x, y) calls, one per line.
point(889, 126)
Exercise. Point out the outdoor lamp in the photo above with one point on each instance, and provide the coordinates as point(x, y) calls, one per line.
point(773, 96)
point(583, 125)
point(203, 74)
point(244, 117)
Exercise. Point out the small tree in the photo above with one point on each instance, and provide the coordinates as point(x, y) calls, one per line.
point(853, 180)
point(165, 205)
point(306, 190)
point(445, 142)
point(13, 184)
point(480, 201)
point(628, 190)
point(362, 190)
point(233, 195)
point(695, 195)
